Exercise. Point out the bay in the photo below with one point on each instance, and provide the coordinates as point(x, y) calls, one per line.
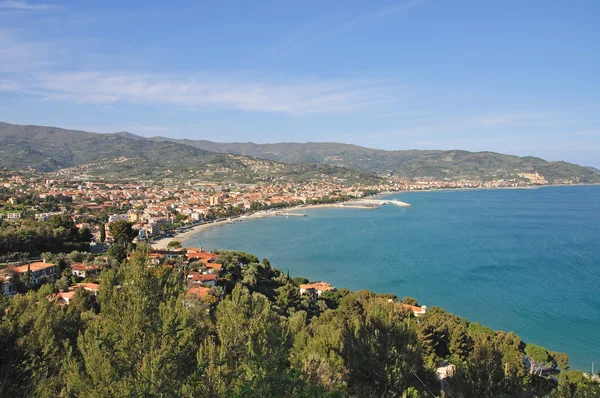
point(522, 260)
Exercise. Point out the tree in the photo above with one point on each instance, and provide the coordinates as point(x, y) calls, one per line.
point(410, 301)
point(483, 375)
point(288, 296)
point(145, 342)
point(117, 251)
point(122, 231)
point(249, 354)
point(561, 359)
point(102, 232)
point(332, 299)
point(35, 333)
point(174, 244)
point(300, 281)
point(85, 235)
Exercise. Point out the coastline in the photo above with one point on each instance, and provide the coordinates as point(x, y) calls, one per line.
point(187, 236)
point(183, 237)
point(388, 193)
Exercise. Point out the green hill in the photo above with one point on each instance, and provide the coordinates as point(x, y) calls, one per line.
point(127, 155)
point(407, 163)
point(124, 155)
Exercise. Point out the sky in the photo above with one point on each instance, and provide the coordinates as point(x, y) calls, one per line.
point(510, 76)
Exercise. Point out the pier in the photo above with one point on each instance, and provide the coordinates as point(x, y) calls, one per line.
point(382, 202)
point(291, 214)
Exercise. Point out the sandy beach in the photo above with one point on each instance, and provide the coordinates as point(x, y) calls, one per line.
point(161, 244)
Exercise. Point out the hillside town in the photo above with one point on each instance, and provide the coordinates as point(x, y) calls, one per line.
point(161, 208)
point(156, 210)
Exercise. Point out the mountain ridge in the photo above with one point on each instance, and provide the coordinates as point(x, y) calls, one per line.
point(51, 148)
point(122, 154)
point(405, 163)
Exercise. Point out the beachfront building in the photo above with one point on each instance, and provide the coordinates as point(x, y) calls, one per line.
point(213, 268)
point(416, 310)
point(315, 289)
point(194, 254)
point(196, 278)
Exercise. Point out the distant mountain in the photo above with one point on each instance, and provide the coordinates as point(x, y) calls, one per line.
point(127, 155)
point(407, 163)
point(593, 169)
point(123, 154)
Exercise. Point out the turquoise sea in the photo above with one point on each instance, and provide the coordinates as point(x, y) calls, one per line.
point(525, 260)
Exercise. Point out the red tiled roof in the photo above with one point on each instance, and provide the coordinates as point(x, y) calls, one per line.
point(201, 255)
point(196, 276)
point(322, 286)
point(34, 267)
point(199, 291)
point(83, 267)
point(413, 308)
point(94, 287)
point(214, 266)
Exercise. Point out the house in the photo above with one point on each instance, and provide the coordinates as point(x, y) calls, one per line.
point(155, 257)
point(169, 254)
point(316, 289)
point(213, 268)
point(81, 270)
point(8, 288)
point(197, 278)
point(64, 298)
point(203, 256)
point(39, 271)
point(418, 311)
point(152, 229)
point(199, 291)
point(90, 287)
point(118, 217)
point(142, 234)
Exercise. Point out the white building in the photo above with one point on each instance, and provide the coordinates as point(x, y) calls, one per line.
point(142, 234)
point(118, 217)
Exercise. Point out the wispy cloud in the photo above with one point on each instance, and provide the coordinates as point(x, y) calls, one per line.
point(292, 97)
point(22, 5)
point(299, 43)
point(20, 55)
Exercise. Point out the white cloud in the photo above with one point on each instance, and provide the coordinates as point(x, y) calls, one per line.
point(19, 55)
point(296, 97)
point(22, 5)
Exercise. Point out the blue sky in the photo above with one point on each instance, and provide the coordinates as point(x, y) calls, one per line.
point(519, 77)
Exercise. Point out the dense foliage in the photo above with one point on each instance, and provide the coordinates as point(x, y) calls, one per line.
point(407, 163)
point(124, 155)
point(145, 336)
point(57, 234)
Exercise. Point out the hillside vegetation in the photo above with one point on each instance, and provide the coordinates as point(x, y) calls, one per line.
point(404, 163)
point(127, 155)
point(49, 149)
point(144, 336)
